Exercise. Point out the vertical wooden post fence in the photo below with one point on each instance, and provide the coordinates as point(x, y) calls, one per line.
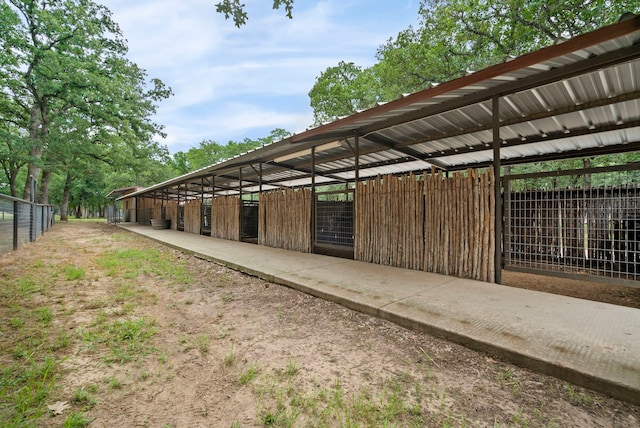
point(429, 222)
point(284, 219)
point(225, 217)
point(192, 213)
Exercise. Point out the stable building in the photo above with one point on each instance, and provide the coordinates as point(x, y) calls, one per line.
point(426, 181)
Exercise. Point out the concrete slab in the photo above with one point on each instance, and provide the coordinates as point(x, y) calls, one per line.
point(592, 344)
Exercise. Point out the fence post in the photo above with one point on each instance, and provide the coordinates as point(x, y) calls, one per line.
point(15, 224)
point(33, 234)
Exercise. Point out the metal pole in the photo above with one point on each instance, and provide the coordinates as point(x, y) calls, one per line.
point(213, 196)
point(313, 198)
point(260, 206)
point(355, 189)
point(497, 189)
point(32, 221)
point(16, 207)
point(241, 225)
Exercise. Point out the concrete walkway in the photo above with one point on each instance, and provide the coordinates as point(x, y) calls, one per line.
point(591, 344)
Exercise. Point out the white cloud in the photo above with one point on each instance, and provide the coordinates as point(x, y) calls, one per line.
point(233, 83)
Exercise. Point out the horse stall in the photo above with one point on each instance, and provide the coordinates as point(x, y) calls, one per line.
point(578, 222)
point(334, 223)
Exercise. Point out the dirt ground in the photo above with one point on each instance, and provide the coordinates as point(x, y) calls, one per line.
point(225, 349)
point(608, 293)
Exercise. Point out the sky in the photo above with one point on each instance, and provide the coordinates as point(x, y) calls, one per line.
point(234, 83)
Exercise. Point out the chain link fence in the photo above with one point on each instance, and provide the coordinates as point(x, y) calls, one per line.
point(21, 222)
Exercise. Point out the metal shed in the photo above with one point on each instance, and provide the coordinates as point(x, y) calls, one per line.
point(575, 99)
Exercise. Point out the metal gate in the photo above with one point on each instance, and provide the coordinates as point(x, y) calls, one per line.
point(578, 222)
point(249, 231)
point(205, 218)
point(334, 223)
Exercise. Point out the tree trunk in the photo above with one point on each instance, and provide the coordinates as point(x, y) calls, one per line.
point(64, 205)
point(38, 129)
point(43, 197)
point(13, 181)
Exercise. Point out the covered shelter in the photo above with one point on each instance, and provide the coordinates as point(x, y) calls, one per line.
point(423, 182)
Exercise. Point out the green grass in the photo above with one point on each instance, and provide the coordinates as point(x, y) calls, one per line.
point(125, 341)
point(130, 263)
point(85, 397)
point(77, 420)
point(25, 387)
point(43, 315)
point(385, 402)
point(73, 273)
point(248, 374)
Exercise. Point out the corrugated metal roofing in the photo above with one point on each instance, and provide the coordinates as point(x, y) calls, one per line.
point(579, 97)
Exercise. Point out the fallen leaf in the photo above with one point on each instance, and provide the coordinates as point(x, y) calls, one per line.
point(59, 407)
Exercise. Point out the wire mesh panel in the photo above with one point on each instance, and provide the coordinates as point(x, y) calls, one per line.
point(143, 215)
point(6, 225)
point(24, 223)
point(205, 226)
point(249, 220)
point(576, 222)
point(114, 215)
point(334, 218)
point(40, 219)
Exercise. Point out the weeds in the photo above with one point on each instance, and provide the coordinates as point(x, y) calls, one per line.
point(203, 342)
point(43, 315)
point(248, 374)
point(115, 383)
point(77, 420)
point(130, 263)
point(291, 369)
point(126, 340)
point(25, 387)
point(230, 358)
point(84, 397)
point(576, 397)
point(73, 272)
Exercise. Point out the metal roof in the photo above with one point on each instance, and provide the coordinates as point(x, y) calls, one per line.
point(578, 98)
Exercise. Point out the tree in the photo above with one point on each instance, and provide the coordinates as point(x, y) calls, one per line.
point(209, 152)
point(235, 10)
point(458, 36)
point(343, 90)
point(66, 58)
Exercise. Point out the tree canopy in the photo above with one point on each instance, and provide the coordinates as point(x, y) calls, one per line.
point(236, 11)
point(453, 38)
point(209, 152)
point(71, 102)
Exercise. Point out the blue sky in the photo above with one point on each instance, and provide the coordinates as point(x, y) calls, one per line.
point(232, 83)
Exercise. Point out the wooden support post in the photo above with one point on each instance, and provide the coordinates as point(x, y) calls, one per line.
point(497, 190)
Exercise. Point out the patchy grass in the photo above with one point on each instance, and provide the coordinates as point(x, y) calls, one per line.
point(124, 340)
point(25, 387)
point(266, 355)
point(130, 263)
point(73, 273)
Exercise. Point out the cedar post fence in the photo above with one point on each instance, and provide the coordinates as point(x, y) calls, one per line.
point(428, 222)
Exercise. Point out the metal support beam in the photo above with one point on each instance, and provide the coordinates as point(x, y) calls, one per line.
point(16, 218)
point(357, 158)
point(495, 102)
point(241, 208)
point(313, 198)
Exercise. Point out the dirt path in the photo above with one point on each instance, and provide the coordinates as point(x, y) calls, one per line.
point(151, 337)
